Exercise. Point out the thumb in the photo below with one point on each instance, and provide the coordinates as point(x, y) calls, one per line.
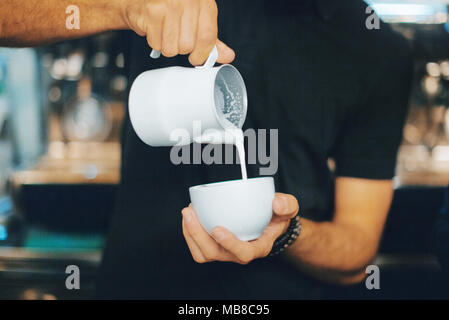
point(225, 54)
point(285, 205)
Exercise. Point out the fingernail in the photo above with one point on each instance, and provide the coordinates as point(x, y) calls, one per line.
point(278, 205)
point(218, 234)
point(284, 205)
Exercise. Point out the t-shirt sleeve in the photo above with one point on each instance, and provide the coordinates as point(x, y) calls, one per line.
point(372, 133)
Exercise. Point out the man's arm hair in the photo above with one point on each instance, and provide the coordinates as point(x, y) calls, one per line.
point(339, 250)
point(26, 23)
point(172, 27)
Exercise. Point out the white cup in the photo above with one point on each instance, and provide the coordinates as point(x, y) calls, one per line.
point(165, 100)
point(245, 207)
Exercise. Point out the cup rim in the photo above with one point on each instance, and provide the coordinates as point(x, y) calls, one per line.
point(220, 184)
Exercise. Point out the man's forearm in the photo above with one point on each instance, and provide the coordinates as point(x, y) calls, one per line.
point(333, 252)
point(30, 23)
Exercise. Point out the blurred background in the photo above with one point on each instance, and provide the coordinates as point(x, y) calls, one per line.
point(61, 108)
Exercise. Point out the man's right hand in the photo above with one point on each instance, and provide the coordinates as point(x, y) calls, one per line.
point(177, 27)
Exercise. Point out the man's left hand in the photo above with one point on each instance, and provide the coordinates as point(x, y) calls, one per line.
point(223, 245)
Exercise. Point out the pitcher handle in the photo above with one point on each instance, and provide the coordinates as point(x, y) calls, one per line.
point(210, 62)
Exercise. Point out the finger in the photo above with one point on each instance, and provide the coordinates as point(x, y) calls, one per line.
point(140, 31)
point(225, 54)
point(206, 34)
point(196, 253)
point(208, 246)
point(154, 31)
point(170, 32)
point(285, 205)
point(189, 25)
point(264, 243)
point(242, 250)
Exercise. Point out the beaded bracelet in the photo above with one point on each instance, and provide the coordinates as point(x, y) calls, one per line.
point(288, 237)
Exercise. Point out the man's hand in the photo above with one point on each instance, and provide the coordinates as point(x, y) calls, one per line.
point(222, 245)
point(170, 26)
point(178, 27)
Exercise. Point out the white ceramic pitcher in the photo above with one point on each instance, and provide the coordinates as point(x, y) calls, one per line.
point(167, 99)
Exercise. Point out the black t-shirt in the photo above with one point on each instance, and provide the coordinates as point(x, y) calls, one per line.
point(332, 88)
